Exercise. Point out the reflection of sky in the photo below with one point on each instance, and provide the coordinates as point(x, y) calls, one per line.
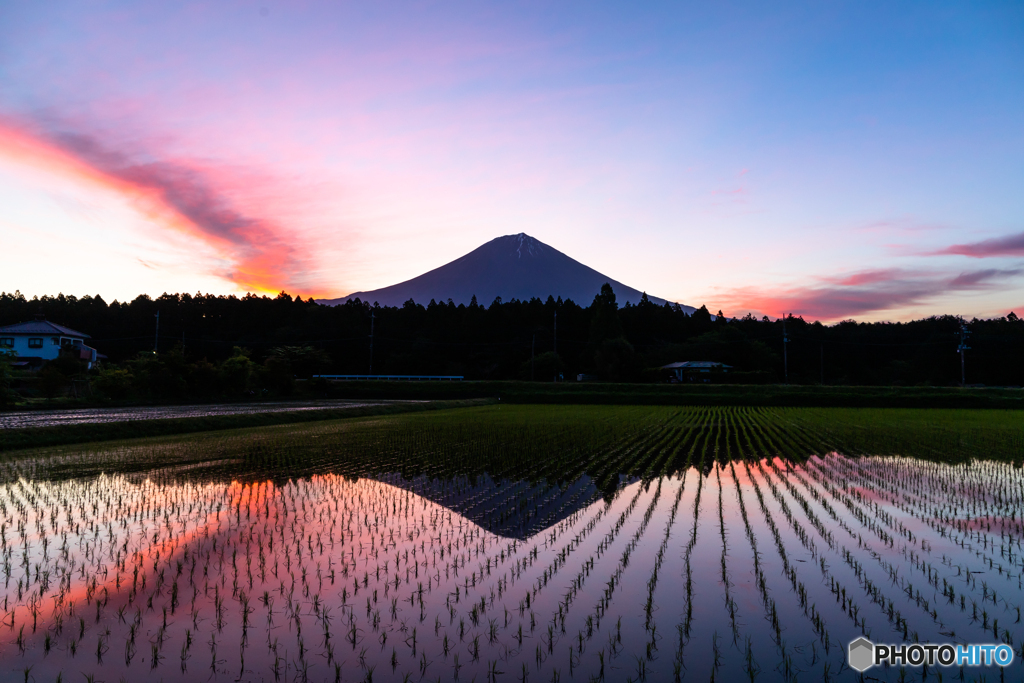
point(841, 161)
point(53, 418)
point(123, 567)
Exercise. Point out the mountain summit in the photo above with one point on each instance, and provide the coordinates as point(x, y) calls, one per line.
point(511, 267)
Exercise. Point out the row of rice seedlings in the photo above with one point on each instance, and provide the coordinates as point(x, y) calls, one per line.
point(846, 554)
point(320, 545)
point(915, 562)
point(835, 550)
point(972, 510)
point(593, 620)
point(933, 574)
point(951, 535)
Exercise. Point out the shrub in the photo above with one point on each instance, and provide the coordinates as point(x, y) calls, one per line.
point(615, 360)
point(52, 382)
point(276, 375)
point(6, 395)
point(236, 372)
point(113, 383)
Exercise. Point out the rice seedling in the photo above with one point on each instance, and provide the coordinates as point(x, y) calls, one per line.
point(599, 543)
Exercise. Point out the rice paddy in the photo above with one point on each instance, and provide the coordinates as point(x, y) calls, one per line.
point(61, 418)
point(523, 543)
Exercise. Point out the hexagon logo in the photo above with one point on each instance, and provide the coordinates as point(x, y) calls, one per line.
point(861, 653)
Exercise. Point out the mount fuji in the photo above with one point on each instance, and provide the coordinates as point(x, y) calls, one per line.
point(511, 267)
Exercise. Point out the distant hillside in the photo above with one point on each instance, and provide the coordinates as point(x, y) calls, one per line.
point(510, 267)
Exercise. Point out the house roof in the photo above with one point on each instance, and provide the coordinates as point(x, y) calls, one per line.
point(694, 364)
point(41, 327)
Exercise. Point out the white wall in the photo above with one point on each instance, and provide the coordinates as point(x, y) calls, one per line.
point(49, 350)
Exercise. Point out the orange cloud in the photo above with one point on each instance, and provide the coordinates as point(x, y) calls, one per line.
point(176, 195)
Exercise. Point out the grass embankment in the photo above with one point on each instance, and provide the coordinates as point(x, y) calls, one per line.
point(606, 393)
point(557, 443)
point(34, 437)
point(775, 395)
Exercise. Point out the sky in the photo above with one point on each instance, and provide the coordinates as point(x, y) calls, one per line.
point(832, 160)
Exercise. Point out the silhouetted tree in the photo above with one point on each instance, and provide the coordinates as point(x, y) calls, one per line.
point(199, 333)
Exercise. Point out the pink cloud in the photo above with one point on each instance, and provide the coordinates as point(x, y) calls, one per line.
point(867, 277)
point(182, 195)
point(1010, 245)
point(980, 278)
point(837, 298)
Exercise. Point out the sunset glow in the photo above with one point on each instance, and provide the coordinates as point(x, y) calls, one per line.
point(849, 161)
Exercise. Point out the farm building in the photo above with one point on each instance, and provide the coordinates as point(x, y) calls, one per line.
point(691, 370)
point(40, 340)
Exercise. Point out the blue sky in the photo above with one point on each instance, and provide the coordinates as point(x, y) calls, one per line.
point(843, 160)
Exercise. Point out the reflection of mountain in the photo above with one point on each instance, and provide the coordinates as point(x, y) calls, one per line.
point(513, 509)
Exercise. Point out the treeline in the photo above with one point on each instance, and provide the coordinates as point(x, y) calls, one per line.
point(214, 345)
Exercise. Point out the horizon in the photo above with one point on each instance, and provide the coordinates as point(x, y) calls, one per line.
point(856, 161)
point(584, 305)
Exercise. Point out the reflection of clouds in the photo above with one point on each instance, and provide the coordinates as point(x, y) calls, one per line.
point(151, 559)
point(316, 571)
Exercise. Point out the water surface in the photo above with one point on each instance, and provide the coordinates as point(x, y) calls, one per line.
point(760, 568)
point(50, 418)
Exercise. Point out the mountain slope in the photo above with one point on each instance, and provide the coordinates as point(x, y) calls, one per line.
point(510, 267)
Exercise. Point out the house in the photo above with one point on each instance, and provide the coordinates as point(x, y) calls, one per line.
point(691, 370)
point(40, 340)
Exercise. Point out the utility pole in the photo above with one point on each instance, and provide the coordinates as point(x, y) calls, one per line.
point(785, 355)
point(533, 348)
point(371, 342)
point(822, 381)
point(964, 333)
point(156, 337)
point(556, 344)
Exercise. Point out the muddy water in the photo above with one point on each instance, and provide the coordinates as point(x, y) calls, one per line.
point(51, 418)
point(759, 570)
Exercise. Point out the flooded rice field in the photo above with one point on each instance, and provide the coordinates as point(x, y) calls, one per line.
point(526, 544)
point(52, 418)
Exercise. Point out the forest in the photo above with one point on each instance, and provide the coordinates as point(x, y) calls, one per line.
point(209, 345)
